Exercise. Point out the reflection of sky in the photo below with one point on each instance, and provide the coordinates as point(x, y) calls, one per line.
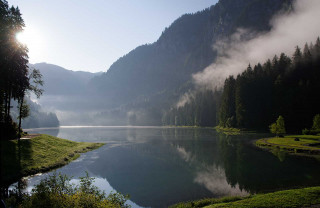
point(140, 156)
point(158, 167)
point(212, 177)
point(73, 170)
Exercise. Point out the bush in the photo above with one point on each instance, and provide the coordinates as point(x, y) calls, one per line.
point(57, 191)
point(310, 132)
point(278, 127)
point(305, 131)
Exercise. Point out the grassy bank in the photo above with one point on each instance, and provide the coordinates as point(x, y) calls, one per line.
point(39, 154)
point(303, 145)
point(290, 198)
point(228, 131)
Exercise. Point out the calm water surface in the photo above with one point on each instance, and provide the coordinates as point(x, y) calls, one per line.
point(158, 166)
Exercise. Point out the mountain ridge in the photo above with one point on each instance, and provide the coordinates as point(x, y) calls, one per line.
point(184, 48)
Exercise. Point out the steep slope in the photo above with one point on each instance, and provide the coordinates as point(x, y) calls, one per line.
point(183, 49)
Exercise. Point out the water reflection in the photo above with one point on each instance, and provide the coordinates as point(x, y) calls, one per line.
point(161, 166)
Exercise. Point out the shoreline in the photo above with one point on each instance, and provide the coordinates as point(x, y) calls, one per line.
point(40, 154)
point(298, 145)
point(301, 197)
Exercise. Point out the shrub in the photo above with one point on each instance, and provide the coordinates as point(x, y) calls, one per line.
point(57, 191)
point(278, 127)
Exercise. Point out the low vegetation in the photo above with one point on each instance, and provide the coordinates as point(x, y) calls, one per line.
point(58, 191)
point(228, 131)
point(305, 145)
point(39, 154)
point(304, 197)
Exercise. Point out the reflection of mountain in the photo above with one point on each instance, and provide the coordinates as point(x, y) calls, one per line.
point(163, 167)
point(152, 173)
point(195, 163)
point(159, 167)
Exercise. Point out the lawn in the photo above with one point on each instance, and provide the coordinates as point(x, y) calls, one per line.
point(39, 154)
point(304, 197)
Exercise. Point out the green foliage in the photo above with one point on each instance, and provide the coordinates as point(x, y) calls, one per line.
point(16, 79)
point(24, 111)
point(305, 131)
point(278, 128)
point(302, 145)
point(304, 197)
point(57, 191)
point(39, 154)
point(315, 127)
point(281, 86)
point(206, 202)
point(316, 122)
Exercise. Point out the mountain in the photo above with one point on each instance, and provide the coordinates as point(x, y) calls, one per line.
point(64, 89)
point(60, 81)
point(183, 49)
point(142, 85)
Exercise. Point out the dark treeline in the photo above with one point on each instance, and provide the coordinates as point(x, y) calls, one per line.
point(200, 110)
point(281, 86)
point(16, 79)
point(286, 86)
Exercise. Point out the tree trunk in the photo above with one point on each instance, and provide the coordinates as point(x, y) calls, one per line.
point(20, 111)
point(5, 107)
point(8, 107)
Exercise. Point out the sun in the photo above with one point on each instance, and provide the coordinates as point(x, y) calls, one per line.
point(28, 37)
point(22, 37)
point(34, 40)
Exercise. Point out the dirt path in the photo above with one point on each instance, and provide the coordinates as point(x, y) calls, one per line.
point(30, 136)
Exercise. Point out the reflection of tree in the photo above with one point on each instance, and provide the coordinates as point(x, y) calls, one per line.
point(256, 171)
point(152, 173)
point(158, 167)
point(16, 151)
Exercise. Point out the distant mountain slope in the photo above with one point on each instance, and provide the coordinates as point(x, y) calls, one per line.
point(65, 89)
point(183, 49)
point(37, 117)
point(60, 81)
point(140, 86)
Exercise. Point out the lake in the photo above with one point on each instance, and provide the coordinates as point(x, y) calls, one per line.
point(160, 166)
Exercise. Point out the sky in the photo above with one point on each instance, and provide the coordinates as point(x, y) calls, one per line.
point(90, 35)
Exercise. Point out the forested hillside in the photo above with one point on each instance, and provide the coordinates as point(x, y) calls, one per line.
point(184, 48)
point(141, 87)
point(145, 83)
point(286, 86)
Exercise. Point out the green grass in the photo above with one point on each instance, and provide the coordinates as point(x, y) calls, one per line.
point(39, 154)
point(306, 145)
point(290, 198)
